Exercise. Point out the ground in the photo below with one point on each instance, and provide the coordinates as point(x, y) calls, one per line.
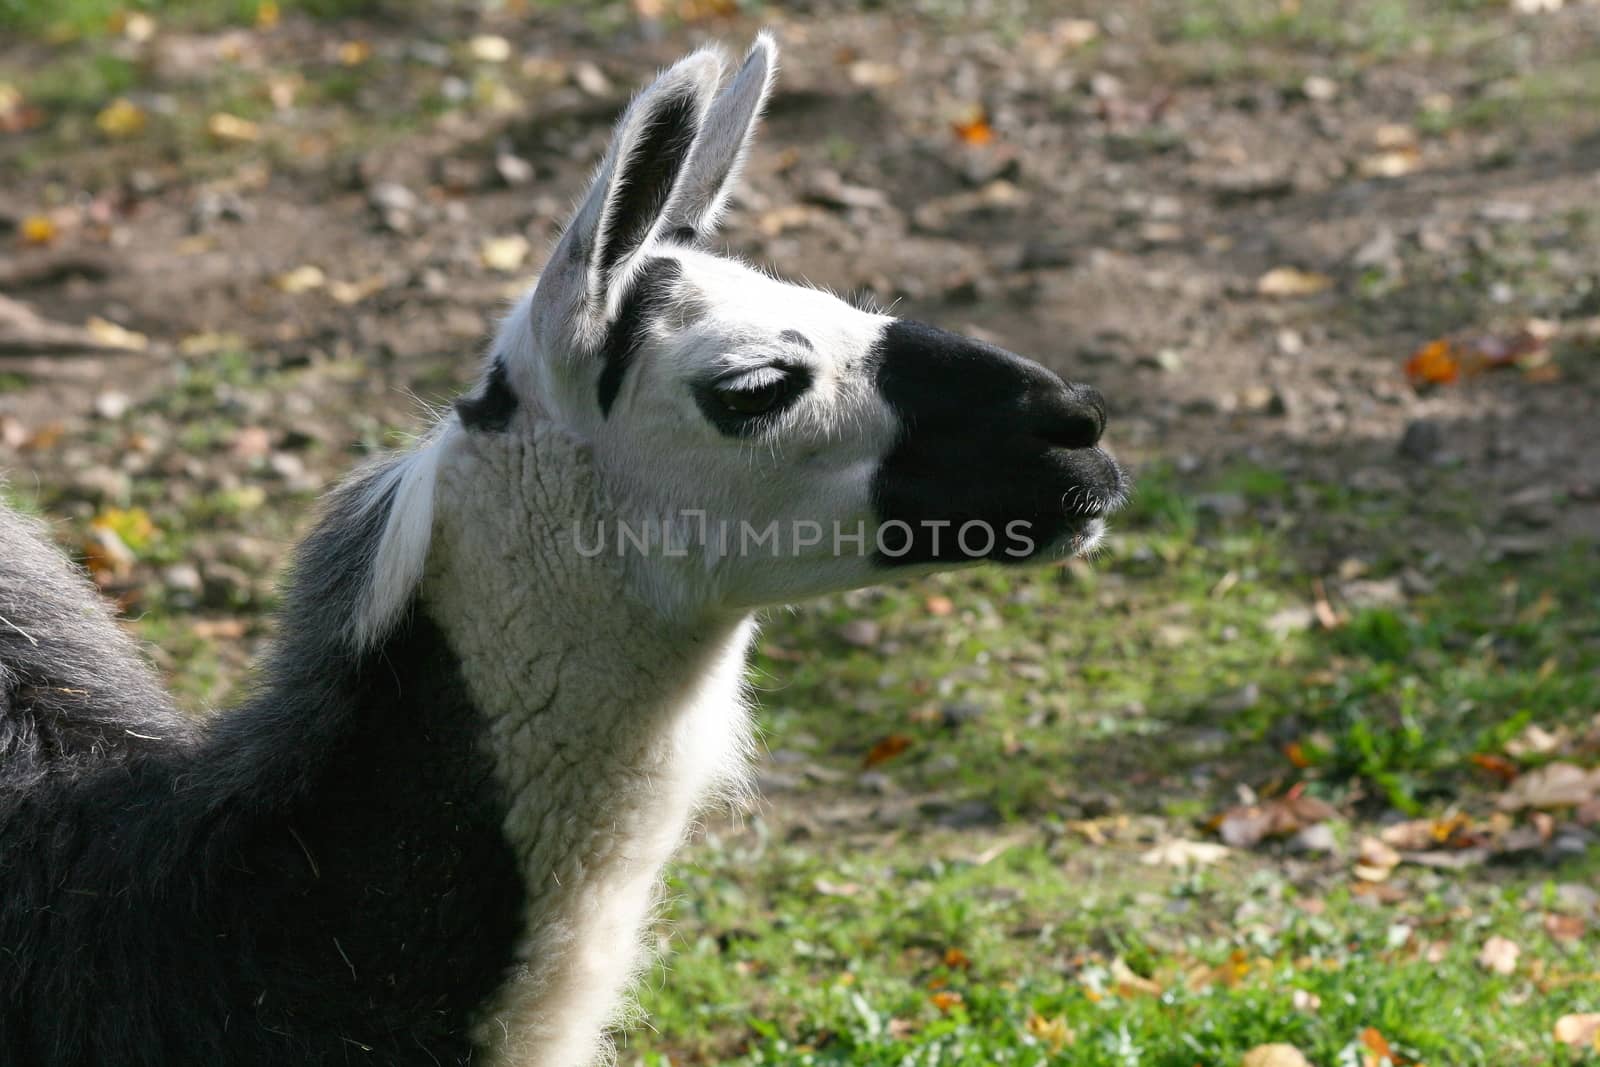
point(1303, 757)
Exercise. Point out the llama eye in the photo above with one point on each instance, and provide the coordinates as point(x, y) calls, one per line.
point(741, 404)
point(750, 401)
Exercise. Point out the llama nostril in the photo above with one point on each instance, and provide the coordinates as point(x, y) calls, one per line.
point(1080, 420)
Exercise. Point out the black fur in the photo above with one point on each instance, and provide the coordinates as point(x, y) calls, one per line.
point(979, 426)
point(493, 406)
point(796, 338)
point(653, 291)
point(318, 877)
point(645, 177)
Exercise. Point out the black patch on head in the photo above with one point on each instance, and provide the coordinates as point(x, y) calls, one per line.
point(491, 409)
point(989, 437)
point(796, 338)
point(646, 175)
point(652, 292)
point(684, 236)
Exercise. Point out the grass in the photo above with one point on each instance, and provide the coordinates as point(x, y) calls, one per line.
point(1090, 720)
point(61, 19)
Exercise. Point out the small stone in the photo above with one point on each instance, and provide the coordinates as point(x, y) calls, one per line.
point(1290, 620)
point(1518, 546)
point(102, 485)
point(861, 633)
point(826, 187)
point(111, 405)
point(225, 586)
point(1421, 440)
point(212, 205)
point(1375, 593)
point(1262, 399)
point(512, 169)
point(969, 814)
point(394, 204)
point(287, 465)
point(182, 582)
point(591, 79)
point(876, 782)
point(1318, 88)
point(1223, 505)
point(1317, 837)
point(1242, 699)
point(960, 712)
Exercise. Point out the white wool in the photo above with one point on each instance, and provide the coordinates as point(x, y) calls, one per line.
point(402, 551)
point(609, 723)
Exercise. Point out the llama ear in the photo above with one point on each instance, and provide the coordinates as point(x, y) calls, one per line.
point(725, 138)
point(626, 205)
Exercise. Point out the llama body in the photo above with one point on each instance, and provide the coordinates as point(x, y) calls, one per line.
point(432, 834)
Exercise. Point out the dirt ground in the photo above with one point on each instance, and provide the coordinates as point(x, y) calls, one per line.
point(1110, 213)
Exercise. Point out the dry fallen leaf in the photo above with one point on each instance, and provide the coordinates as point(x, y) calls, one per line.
point(16, 114)
point(1246, 825)
point(1292, 281)
point(121, 118)
point(1499, 955)
point(356, 291)
point(302, 279)
point(972, 126)
point(1564, 927)
point(38, 230)
point(489, 48)
point(113, 336)
point(1498, 766)
point(1417, 835)
point(887, 749)
point(1555, 785)
point(504, 254)
point(1181, 853)
point(1074, 33)
point(1129, 982)
point(231, 129)
point(1378, 1045)
point(138, 27)
point(1581, 1030)
point(1375, 860)
point(1054, 1033)
point(1435, 363)
point(354, 53)
point(1394, 163)
point(1278, 1055)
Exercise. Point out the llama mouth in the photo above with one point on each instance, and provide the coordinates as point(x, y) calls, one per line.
point(1102, 492)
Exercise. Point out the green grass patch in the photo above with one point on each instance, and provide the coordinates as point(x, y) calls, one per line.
point(60, 19)
point(1031, 700)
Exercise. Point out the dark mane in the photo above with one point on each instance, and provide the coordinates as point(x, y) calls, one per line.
point(315, 877)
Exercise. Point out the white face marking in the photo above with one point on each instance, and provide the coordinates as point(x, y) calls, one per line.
point(659, 454)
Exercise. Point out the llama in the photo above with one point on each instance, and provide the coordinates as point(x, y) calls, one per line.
point(432, 832)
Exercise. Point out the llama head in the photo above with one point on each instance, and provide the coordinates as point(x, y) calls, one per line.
point(771, 440)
